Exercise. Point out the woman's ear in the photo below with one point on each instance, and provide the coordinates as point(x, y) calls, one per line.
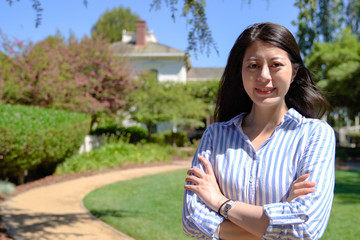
point(294, 72)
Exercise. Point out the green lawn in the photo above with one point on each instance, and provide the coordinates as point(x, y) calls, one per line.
point(145, 208)
point(345, 220)
point(150, 207)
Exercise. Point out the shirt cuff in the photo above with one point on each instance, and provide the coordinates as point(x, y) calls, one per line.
point(217, 233)
point(284, 213)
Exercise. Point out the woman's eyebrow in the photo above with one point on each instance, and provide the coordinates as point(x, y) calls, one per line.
point(251, 59)
point(273, 58)
point(278, 58)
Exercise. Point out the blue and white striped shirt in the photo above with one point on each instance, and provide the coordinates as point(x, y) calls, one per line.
point(298, 145)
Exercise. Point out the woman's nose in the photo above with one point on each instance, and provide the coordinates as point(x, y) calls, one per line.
point(264, 74)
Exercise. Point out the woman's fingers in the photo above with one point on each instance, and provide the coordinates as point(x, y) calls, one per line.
point(300, 183)
point(207, 164)
point(198, 172)
point(301, 187)
point(195, 171)
point(305, 184)
point(302, 178)
point(192, 179)
point(202, 181)
point(303, 191)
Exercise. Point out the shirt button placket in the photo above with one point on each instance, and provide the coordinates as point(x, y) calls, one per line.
point(252, 180)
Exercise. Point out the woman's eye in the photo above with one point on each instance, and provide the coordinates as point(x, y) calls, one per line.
point(253, 65)
point(277, 64)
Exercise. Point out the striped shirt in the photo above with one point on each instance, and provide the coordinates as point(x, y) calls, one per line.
point(298, 145)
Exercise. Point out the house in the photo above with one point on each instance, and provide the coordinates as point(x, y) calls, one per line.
point(170, 64)
point(204, 74)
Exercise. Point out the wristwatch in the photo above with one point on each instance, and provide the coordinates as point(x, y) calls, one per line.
point(227, 207)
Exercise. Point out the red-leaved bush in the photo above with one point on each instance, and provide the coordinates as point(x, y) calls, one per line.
point(72, 75)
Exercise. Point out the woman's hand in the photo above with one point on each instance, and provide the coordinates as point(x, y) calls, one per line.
point(300, 187)
point(205, 185)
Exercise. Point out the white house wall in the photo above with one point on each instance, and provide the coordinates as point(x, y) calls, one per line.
point(168, 69)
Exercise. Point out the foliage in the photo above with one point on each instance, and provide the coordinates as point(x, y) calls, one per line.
point(175, 138)
point(157, 138)
point(132, 134)
point(199, 35)
point(317, 20)
point(113, 155)
point(31, 138)
point(75, 75)
point(205, 91)
point(37, 7)
point(111, 24)
point(337, 69)
point(346, 154)
point(321, 20)
point(122, 206)
point(155, 102)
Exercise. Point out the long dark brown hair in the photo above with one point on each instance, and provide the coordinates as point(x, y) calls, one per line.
point(303, 95)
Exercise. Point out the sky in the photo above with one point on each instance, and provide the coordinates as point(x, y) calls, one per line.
point(226, 19)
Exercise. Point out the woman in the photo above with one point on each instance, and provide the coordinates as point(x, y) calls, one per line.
point(255, 169)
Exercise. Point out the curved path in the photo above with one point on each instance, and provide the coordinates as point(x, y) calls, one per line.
point(55, 212)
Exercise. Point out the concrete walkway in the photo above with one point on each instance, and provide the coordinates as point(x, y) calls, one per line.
point(55, 212)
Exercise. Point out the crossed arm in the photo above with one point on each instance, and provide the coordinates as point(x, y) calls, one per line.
point(245, 221)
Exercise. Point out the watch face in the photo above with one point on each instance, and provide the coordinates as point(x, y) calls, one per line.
point(227, 208)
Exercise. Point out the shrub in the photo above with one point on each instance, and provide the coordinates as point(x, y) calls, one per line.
point(73, 75)
point(346, 154)
point(131, 134)
point(6, 188)
point(355, 139)
point(157, 138)
point(175, 138)
point(114, 155)
point(136, 134)
point(34, 139)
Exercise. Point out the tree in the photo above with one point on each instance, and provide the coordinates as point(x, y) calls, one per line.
point(155, 102)
point(76, 75)
point(199, 37)
point(322, 20)
point(317, 20)
point(112, 23)
point(205, 91)
point(337, 70)
point(37, 7)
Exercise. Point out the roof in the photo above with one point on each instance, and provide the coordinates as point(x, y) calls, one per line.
point(204, 74)
point(151, 49)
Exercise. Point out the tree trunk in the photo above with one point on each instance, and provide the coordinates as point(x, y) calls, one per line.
point(21, 176)
point(148, 126)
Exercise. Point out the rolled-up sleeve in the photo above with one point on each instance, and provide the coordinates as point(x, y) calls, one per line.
point(198, 220)
point(307, 217)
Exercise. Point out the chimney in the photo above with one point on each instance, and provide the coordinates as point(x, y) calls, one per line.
point(141, 33)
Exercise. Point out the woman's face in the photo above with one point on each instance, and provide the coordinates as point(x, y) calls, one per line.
point(267, 73)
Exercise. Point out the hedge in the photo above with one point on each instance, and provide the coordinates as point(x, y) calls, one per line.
point(34, 140)
point(132, 134)
point(116, 154)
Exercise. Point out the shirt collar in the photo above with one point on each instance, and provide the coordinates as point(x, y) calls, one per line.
point(291, 115)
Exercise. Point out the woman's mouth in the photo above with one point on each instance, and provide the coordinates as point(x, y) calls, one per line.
point(265, 91)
